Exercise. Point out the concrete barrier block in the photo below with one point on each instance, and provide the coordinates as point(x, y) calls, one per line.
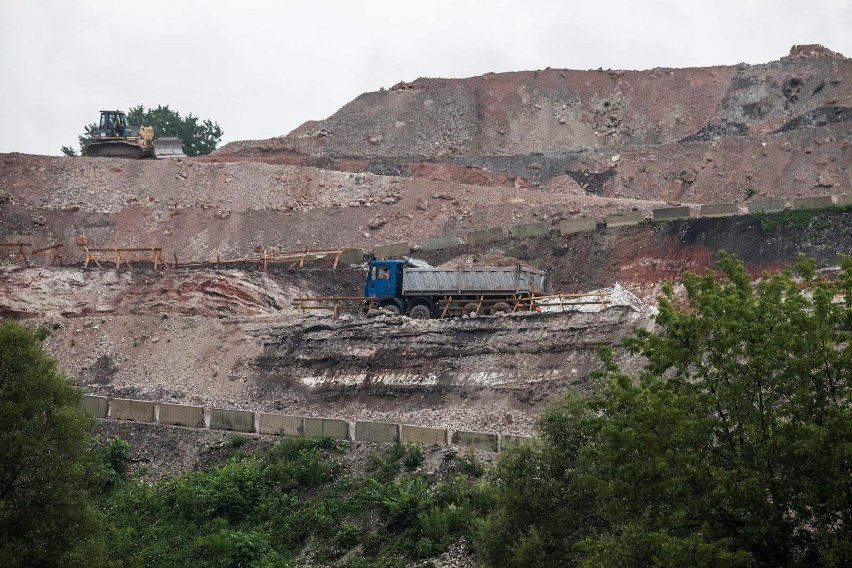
point(484, 237)
point(279, 424)
point(820, 202)
point(352, 256)
point(625, 219)
point(394, 250)
point(568, 226)
point(97, 405)
point(507, 440)
point(422, 435)
point(531, 230)
point(237, 420)
point(380, 432)
point(325, 427)
point(181, 415)
point(844, 199)
point(719, 210)
point(766, 206)
point(476, 440)
point(439, 243)
point(127, 409)
point(671, 213)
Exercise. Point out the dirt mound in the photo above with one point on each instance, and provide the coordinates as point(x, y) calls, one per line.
point(811, 51)
point(559, 110)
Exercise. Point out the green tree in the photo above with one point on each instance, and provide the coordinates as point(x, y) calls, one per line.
point(47, 516)
point(733, 446)
point(200, 137)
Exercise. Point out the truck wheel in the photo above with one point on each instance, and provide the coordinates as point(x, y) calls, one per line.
point(420, 312)
point(392, 309)
point(471, 310)
point(500, 308)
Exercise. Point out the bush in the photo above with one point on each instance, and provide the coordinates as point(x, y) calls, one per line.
point(348, 536)
point(237, 440)
point(470, 464)
point(413, 455)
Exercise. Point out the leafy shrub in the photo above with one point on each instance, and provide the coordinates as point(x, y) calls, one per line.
point(441, 524)
point(348, 536)
point(401, 500)
point(470, 464)
point(237, 440)
point(42, 332)
point(413, 455)
point(114, 457)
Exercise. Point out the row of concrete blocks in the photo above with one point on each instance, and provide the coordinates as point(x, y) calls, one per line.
point(286, 425)
point(569, 226)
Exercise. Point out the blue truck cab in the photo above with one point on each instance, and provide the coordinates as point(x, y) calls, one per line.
point(384, 282)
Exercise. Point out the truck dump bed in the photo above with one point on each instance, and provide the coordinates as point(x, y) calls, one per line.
point(485, 280)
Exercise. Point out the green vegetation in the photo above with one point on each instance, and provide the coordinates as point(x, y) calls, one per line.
point(795, 217)
point(800, 218)
point(733, 446)
point(200, 137)
point(262, 510)
point(49, 467)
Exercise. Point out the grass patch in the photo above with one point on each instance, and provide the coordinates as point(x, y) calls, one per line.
point(798, 218)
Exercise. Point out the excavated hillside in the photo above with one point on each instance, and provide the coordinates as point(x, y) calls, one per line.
point(427, 158)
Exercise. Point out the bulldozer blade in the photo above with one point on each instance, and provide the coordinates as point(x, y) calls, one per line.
point(168, 148)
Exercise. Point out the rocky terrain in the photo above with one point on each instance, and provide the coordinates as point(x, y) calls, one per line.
point(426, 158)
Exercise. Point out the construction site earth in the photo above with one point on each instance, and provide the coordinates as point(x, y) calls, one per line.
point(179, 280)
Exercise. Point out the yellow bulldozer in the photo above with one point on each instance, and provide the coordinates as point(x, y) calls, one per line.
point(115, 138)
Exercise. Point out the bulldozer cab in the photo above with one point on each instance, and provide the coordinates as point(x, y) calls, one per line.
point(113, 123)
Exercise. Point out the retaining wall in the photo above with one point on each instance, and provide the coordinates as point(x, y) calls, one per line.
point(439, 243)
point(484, 441)
point(97, 405)
point(127, 409)
point(289, 425)
point(625, 219)
point(237, 420)
point(380, 432)
point(820, 202)
point(422, 435)
point(279, 424)
point(180, 415)
point(485, 237)
point(391, 251)
point(719, 210)
point(767, 206)
point(568, 226)
point(671, 213)
point(322, 427)
point(531, 230)
point(352, 256)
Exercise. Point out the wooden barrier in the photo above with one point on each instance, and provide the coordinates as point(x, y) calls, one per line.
point(25, 252)
point(117, 256)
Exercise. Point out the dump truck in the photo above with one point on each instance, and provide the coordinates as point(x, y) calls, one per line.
point(116, 138)
point(425, 293)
